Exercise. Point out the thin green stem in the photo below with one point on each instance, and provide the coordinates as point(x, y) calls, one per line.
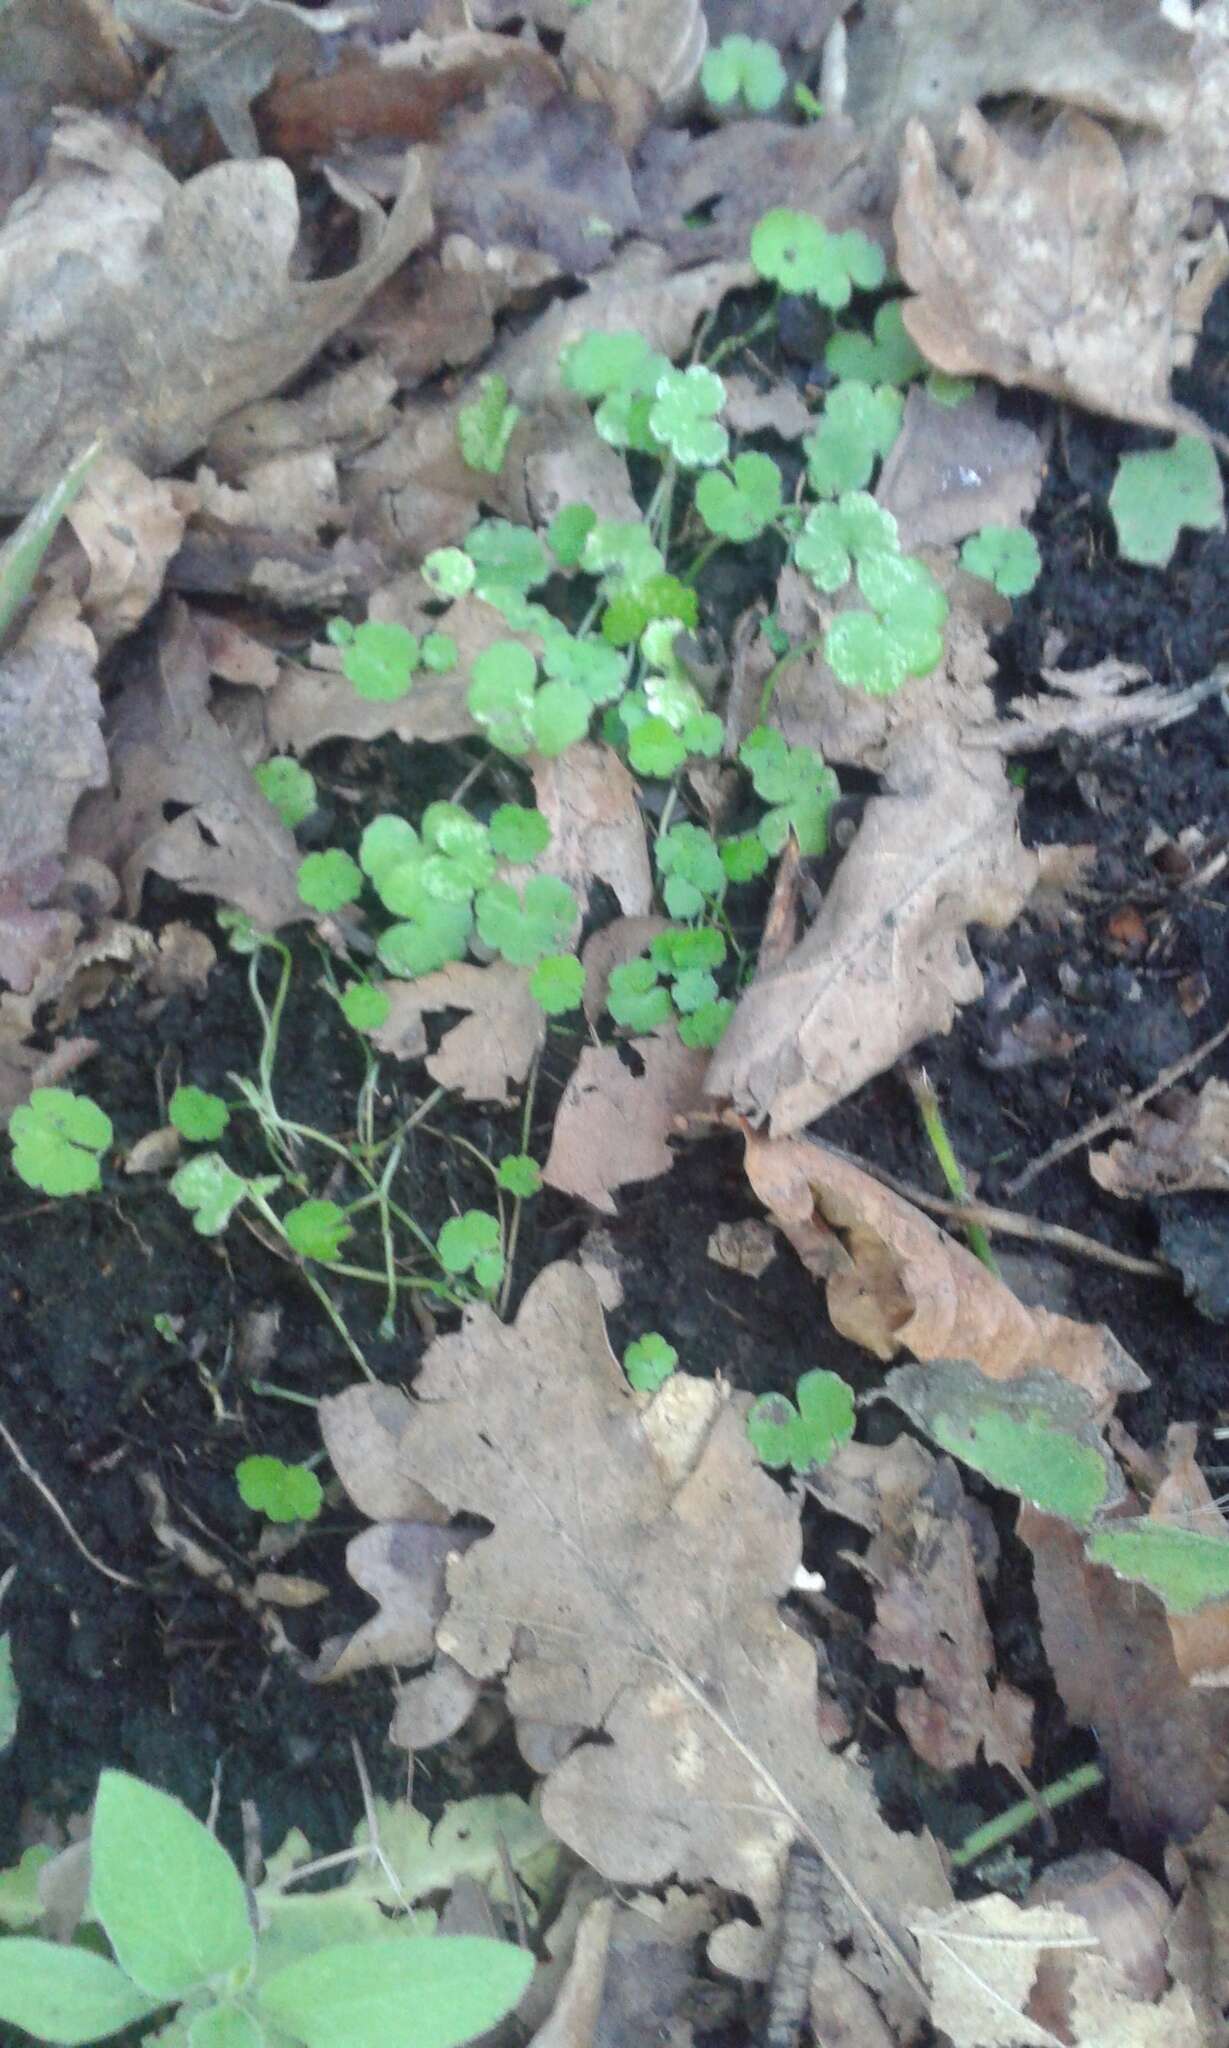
point(517, 1204)
point(321, 1292)
point(953, 1173)
point(993, 1833)
point(803, 648)
point(763, 325)
point(711, 545)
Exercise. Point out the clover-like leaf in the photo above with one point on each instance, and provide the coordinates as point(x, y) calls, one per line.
point(520, 1175)
point(741, 505)
point(58, 1141)
point(1159, 492)
point(649, 1362)
point(519, 834)
point(558, 983)
point(284, 1493)
point(524, 927)
point(796, 251)
point(744, 856)
point(804, 1436)
point(380, 660)
point(683, 948)
point(834, 535)
point(365, 1007)
point(439, 652)
point(470, 1243)
point(449, 571)
point(568, 531)
point(635, 996)
point(691, 870)
point(198, 1115)
point(559, 717)
point(329, 880)
point(1006, 556)
point(316, 1229)
point(684, 415)
point(508, 559)
point(859, 425)
point(587, 664)
point(655, 748)
point(290, 788)
point(501, 693)
point(438, 933)
point(890, 357)
point(707, 1026)
point(211, 1191)
point(799, 786)
point(743, 68)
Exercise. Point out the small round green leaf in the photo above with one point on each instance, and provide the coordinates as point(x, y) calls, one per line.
point(329, 880)
point(806, 1435)
point(198, 1115)
point(316, 1229)
point(285, 1493)
point(649, 1361)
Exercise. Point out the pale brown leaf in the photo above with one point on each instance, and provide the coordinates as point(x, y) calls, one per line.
point(51, 749)
point(897, 1282)
point(225, 57)
point(952, 470)
point(589, 799)
point(129, 528)
point(1179, 1142)
point(1042, 267)
point(887, 961)
point(614, 1119)
point(152, 309)
point(980, 1959)
point(488, 1055)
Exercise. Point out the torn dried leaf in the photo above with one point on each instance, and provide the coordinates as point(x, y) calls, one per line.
point(1180, 1142)
point(488, 1055)
point(597, 829)
point(614, 1118)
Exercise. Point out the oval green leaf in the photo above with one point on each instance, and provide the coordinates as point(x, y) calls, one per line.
point(169, 1897)
point(431, 1993)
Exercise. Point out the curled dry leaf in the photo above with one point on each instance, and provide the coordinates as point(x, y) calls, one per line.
point(1042, 267)
point(129, 528)
point(615, 1117)
point(486, 1056)
point(552, 179)
point(748, 1247)
point(225, 840)
point(1179, 1143)
point(224, 58)
point(896, 1282)
point(1165, 1742)
point(597, 829)
point(343, 412)
point(631, 1583)
point(403, 1566)
point(887, 961)
point(1184, 1500)
point(154, 309)
point(292, 494)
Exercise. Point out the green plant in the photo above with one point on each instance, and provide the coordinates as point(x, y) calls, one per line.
point(290, 788)
point(378, 657)
point(179, 1924)
point(649, 1361)
point(1158, 493)
point(1006, 556)
point(743, 68)
point(805, 1435)
point(796, 251)
point(58, 1141)
point(23, 551)
point(285, 1493)
point(470, 1243)
point(485, 428)
point(799, 786)
point(198, 1115)
point(887, 355)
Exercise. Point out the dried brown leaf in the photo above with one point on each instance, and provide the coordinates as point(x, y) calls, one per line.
point(623, 939)
point(887, 961)
point(614, 1118)
point(597, 830)
point(1184, 1500)
point(1042, 266)
point(361, 1428)
point(631, 1583)
point(344, 412)
point(403, 1566)
point(154, 309)
point(552, 179)
point(491, 1051)
point(897, 1282)
point(980, 1959)
point(748, 1247)
point(51, 749)
point(1165, 1743)
point(225, 57)
point(292, 494)
point(167, 750)
point(637, 56)
point(736, 174)
point(1178, 1143)
point(953, 470)
point(129, 528)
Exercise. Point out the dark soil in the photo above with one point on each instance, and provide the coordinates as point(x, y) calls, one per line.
point(177, 1682)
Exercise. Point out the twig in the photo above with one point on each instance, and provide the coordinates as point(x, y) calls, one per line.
point(1012, 1223)
point(1121, 1113)
point(40, 1486)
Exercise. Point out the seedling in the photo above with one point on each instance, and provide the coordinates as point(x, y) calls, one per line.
point(485, 428)
point(740, 504)
point(379, 658)
point(290, 788)
point(859, 425)
point(198, 1115)
point(523, 928)
point(743, 69)
point(1006, 556)
point(516, 711)
point(798, 784)
point(796, 251)
point(885, 356)
point(211, 1191)
point(683, 416)
point(519, 1175)
point(802, 1436)
point(649, 1361)
point(691, 870)
point(1156, 494)
point(364, 1007)
point(317, 1229)
point(328, 881)
point(558, 983)
point(283, 1493)
point(179, 1923)
point(58, 1141)
point(470, 1243)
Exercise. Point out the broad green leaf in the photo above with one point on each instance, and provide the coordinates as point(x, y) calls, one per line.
point(1185, 1567)
point(398, 1994)
point(806, 1435)
point(226, 2026)
point(169, 1897)
point(1159, 492)
point(20, 1904)
point(65, 1995)
point(649, 1361)
point(285, 1493)
point(1034, 1436)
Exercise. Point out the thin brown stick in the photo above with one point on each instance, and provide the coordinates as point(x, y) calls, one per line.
point(1011, 1223)
point(41, 1486)
point(1120, 1114)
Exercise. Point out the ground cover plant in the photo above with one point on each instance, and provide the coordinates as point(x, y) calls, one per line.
point(611, 994)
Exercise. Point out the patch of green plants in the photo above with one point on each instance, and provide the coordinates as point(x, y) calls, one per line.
point(1159, 492)
point(649, 1361)
point(281, 1492)
point(803, 1433)
point(186, 1941)
point(743, 71)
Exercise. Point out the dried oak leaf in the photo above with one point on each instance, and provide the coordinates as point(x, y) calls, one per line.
point(224, 57)
point(343, 412)
point(550, 178)
point(897, 1282)
point(597, 828)
point(636, 56)
point(1165, 1742)
point(183, 802)
point(491, 1051)
point(615, 1117)
point(153, 309)
point(1043, 266)
point(736, 174)
point(1120, 59)
point(129, 527)
point(631, 1584)
point(1178, 1144)
point(1184, 1500)
point(887, 961)
point(51, 748)
point(929, 1617)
